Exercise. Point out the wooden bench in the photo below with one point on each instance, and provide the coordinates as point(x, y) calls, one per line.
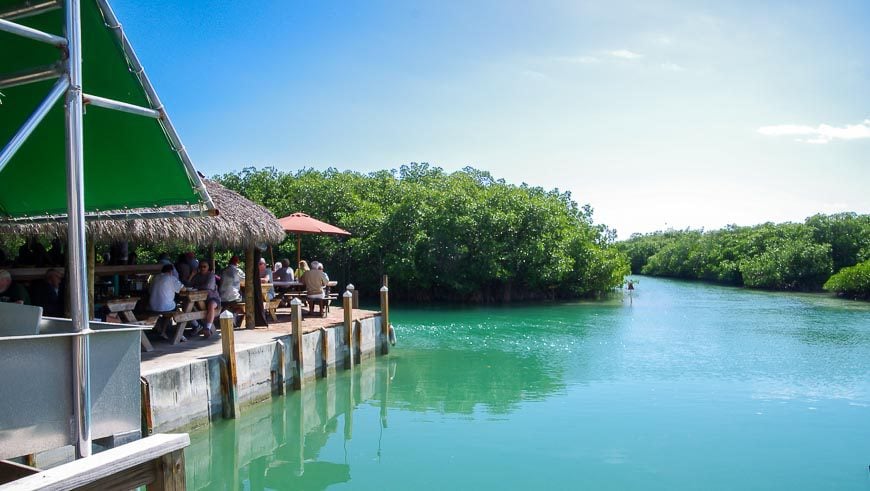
point(124, 308)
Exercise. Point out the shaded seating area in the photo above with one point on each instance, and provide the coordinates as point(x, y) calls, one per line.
point(240, 225)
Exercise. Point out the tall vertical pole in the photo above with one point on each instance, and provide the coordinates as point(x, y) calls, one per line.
point(77, 270)
point(385, 320)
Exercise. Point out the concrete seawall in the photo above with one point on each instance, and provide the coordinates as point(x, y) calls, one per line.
point(188, 395)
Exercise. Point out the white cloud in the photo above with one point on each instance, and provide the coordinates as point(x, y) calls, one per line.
point(624, 54)
point(534, 74)
point(585, 59)
point(673, 67)
point(820, 134)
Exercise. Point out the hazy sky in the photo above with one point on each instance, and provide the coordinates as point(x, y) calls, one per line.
point(658, 114)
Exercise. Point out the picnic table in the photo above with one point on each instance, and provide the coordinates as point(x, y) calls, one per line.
point(192, 308)
point(124, 308)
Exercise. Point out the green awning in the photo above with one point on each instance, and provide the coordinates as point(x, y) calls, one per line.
point(129, 159)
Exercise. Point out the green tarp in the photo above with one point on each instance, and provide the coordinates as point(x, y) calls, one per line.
point(129, 162)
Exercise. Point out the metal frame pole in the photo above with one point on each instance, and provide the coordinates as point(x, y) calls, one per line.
point(29, 8)
point(30, 33)
point(30, 76)
point(32, 122)
point(77, 270)
point(106, 103)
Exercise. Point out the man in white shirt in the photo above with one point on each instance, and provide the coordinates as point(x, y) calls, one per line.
point(163, 290)
point(231, 281)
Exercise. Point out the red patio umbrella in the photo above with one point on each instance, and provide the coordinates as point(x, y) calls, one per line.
point(300, 223)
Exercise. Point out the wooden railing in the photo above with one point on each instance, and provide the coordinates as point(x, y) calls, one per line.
point(156, 462)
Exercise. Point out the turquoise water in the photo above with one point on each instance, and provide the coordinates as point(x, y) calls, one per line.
point(683, 386)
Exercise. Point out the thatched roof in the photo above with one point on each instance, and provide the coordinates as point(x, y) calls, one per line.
point(240, 223)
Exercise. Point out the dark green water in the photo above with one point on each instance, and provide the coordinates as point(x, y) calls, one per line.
point(689, 386)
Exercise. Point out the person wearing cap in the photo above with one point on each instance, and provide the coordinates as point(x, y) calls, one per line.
point(231, 281)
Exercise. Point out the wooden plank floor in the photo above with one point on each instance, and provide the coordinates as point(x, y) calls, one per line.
point(166, 355)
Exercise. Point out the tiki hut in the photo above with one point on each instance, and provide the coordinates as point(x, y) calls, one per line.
point(239, 224)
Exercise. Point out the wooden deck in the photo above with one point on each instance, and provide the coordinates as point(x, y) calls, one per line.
point(165, 355)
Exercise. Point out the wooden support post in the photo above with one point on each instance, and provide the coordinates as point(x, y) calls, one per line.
point(296, 315)
point(147, 415)
point(92, 265)
point(282, 368)
point(357, 325)
point(229, 379)
point(348, 328)
point(385, 320)
point(355, 295)
point(324, 350)
point(252, 282)
point(172, 475)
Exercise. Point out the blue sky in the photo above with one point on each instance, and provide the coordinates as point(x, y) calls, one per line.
point(658, 114)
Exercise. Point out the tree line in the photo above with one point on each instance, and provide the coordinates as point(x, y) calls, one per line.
point(825, 251)
point(459, 236)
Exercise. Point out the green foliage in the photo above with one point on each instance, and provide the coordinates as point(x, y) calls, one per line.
point(454, 236)
point(786, 256)
point(852, 281)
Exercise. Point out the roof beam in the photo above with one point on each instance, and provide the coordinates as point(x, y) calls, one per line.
point(121, 106)
point(30, 33)
point(29, 9)
point(33, 121)
point(31, 75)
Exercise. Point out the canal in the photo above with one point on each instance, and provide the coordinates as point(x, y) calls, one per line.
point(682, 386)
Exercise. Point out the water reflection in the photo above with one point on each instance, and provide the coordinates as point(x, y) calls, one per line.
point(278, 445)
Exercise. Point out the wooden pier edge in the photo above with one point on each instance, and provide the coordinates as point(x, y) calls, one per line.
point(156, 461)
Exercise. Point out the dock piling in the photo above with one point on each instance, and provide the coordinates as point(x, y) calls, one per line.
point(296, 315)
point(282, 367)
point(346, 305)
point(324, 347)
point(229, 379)
point(385, 318)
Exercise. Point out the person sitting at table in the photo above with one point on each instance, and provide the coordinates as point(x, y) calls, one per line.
point(48, 293)
point(10, 291)
point(164, 259)
point(285, 273)
point(231, 281)
point(303, 267)
point(266, 277)
point(315, 281)
point(320, 268)
point(204, 280)
point(162, 297)
point(184, 269)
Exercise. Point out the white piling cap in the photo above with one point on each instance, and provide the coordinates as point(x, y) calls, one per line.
point(384, 289)
point(226, 314)
point(295, 301)
point(349, 287)
point(347, 294)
